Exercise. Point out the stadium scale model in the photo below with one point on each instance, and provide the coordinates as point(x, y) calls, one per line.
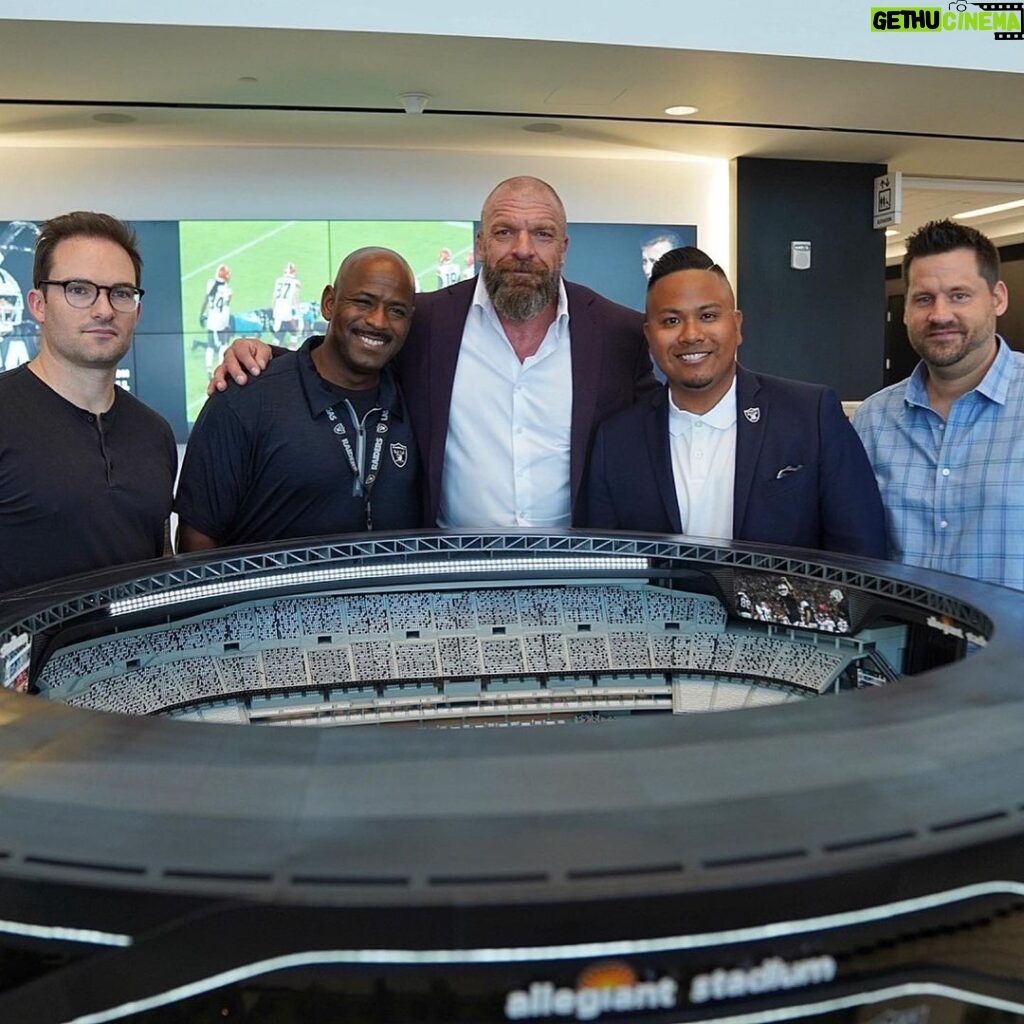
point(847, 847)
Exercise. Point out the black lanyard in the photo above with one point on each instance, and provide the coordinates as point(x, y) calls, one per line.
point(362, 484)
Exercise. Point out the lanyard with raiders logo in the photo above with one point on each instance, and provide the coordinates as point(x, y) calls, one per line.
point(362, 484)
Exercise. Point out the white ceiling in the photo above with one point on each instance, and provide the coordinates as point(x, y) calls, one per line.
point(223, 87)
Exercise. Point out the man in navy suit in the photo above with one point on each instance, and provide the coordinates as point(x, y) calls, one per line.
point(722, 452)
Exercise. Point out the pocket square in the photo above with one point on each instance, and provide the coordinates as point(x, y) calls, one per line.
point(788, 471)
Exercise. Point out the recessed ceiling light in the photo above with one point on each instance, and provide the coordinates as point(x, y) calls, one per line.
point(414, 102)
point(983, 211)
point(542, 127)
point(113, 118)
point(680, 111)
point(890, 232)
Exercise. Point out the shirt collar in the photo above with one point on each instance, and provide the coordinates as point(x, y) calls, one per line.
point(722, 416)
point(482, 302)
point(321, 395)
point(995, 385)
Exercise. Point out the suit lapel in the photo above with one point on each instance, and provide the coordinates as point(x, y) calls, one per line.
point(587, 358)
point(659, 451)
point(450, 310)
point(751, 426)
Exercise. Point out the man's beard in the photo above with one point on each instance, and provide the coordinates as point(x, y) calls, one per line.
point(950, 353)
point(517, 300)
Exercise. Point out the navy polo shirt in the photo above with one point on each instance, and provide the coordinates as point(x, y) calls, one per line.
point(264, 461)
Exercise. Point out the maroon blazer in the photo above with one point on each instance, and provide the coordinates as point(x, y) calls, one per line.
point(611, 368)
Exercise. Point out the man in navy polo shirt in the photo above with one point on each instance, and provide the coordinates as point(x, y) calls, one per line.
point(321, 443)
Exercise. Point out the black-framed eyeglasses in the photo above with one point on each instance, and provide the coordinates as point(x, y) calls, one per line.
point(124, 298)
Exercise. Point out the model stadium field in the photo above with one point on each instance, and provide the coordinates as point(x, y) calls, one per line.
point(257, 251)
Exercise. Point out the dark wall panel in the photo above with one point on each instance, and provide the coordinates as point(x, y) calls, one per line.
point(825, 324)
point(1011, 323)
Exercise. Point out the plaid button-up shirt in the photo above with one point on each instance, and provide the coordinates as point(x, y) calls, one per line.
point(953, 490)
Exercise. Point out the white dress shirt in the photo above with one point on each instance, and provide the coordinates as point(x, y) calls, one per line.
point(704, 466)
point(506, 457)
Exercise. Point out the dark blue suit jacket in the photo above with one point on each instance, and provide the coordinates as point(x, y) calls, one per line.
point(830, 503)
point(611, 368)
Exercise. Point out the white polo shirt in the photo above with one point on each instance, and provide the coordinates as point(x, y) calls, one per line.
point(704, 466)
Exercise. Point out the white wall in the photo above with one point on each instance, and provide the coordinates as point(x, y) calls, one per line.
point(273, 184)
point(838, 29)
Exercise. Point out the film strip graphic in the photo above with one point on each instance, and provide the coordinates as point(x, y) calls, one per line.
point(1018, 7)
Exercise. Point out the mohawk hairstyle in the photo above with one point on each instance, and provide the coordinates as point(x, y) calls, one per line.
point(689, 257)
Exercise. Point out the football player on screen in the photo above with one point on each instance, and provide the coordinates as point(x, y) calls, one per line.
point(215, 316)
point(285, 311)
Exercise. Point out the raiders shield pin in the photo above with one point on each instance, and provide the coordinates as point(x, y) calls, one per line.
point(753, 415)
point(399, 454)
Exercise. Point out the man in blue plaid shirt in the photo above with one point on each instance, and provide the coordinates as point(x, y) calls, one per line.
point(947, 444)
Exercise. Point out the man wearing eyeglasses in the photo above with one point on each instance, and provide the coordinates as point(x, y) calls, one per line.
point(86, 470)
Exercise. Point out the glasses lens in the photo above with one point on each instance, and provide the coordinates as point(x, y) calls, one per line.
point(80, 294)
point(123, 298)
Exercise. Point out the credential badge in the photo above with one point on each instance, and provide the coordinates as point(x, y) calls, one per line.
point(399, 454)
point(753, 415)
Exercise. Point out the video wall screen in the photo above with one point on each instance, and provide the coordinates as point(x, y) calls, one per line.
point(207, 282)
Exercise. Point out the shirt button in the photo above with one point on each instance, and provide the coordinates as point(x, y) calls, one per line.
point(943, 524)
point(945, 472)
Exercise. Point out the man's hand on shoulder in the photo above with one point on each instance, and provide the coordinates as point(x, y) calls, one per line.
point(243, 358)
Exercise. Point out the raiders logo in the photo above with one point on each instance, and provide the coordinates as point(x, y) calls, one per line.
point(753, 415)
point(399, 454)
